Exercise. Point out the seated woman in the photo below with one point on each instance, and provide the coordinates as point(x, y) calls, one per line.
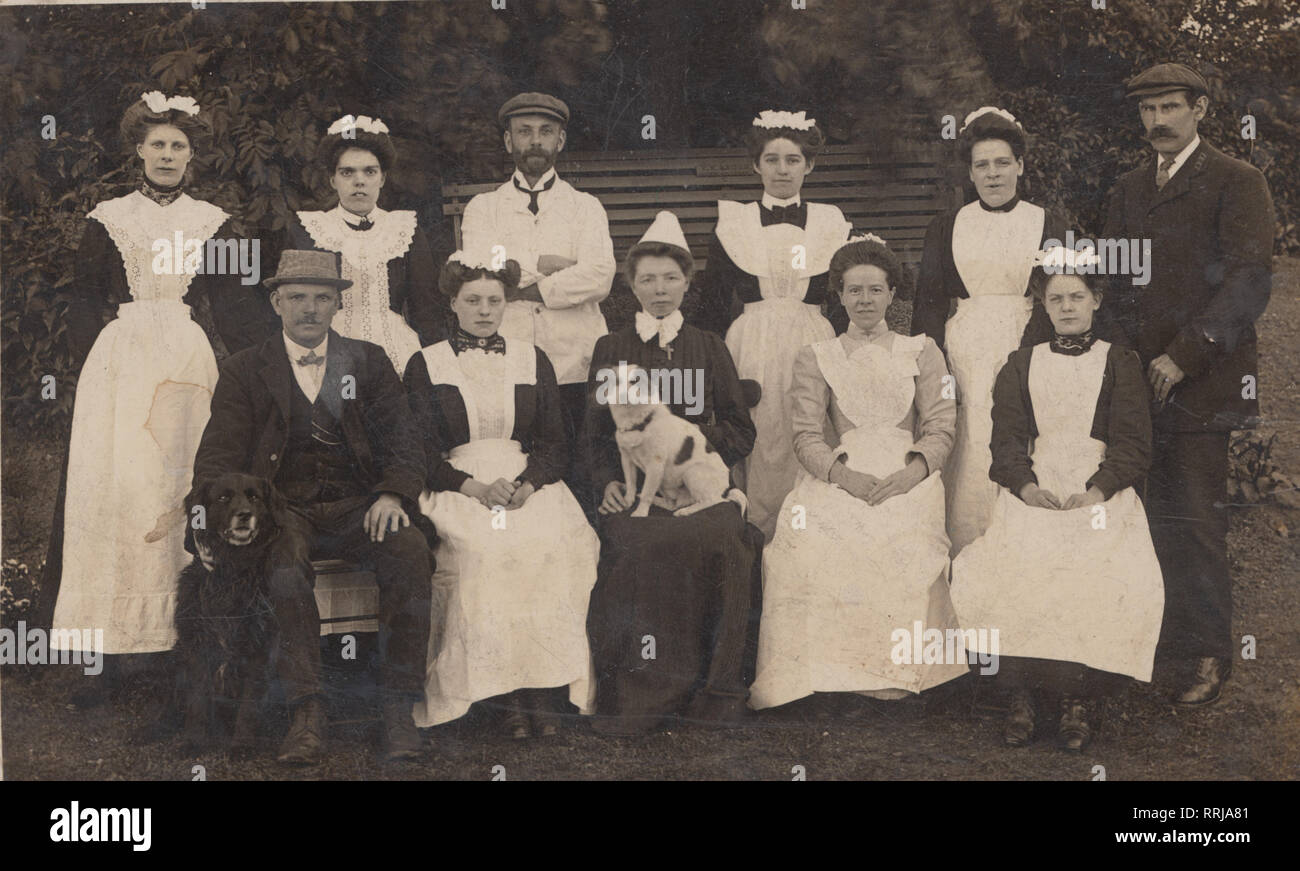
point(517, 559)
point(860, 553)
point(1066, 571)
point(670, 615)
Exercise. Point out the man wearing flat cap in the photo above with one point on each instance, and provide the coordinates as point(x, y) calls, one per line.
point(560, 237)
point(1210, 222)
point(324, 418)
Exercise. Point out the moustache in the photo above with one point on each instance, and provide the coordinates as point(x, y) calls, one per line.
point(1159, 133)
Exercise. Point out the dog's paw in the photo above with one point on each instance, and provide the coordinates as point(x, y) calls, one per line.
point(642, 509)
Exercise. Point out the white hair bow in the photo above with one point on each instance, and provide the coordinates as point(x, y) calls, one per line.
point(790, 120)
point(987, 110)
point(159, 103)
point(362, 122)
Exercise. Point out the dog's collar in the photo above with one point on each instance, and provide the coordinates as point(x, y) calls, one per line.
point(638, 427)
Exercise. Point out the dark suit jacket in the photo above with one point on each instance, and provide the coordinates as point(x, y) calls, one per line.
point(1211, 230)
point(249, 427)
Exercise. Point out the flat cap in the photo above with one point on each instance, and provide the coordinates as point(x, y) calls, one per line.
point(1166, 77)
point(533, 103)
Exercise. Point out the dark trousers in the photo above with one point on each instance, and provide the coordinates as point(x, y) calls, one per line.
point(1067, 679)
point(573, 407)
point(403, 570)
point(1187, 487)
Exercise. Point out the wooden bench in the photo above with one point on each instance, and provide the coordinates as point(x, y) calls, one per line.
point(347, 598)
point(895, 198)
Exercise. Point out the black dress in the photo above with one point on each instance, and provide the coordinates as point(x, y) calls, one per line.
point(674, 614)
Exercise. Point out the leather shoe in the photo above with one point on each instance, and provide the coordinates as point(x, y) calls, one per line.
point(1018, 728)
point(1207, 684)
point(402, 741)
point(305, 742)
point(516, 725)
point(1074, 731)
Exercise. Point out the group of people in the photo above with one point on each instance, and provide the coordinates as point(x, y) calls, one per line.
point(448, 429)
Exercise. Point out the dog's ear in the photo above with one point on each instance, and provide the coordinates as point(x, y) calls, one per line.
point(198, 495)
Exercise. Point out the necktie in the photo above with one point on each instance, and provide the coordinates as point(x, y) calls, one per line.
point(311, 358)
point(795, 214)
point(666, 328)
point(364, 224)
point(532, 195)
point(1162, 174)
point(463, 341)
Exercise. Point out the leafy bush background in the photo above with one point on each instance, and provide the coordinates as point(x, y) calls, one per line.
point(273, 76)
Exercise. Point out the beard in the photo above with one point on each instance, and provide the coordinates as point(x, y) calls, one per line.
point(534, 161)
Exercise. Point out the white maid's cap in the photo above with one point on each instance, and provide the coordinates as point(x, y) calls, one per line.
point(990, 110)
point(788, 120)
point(159, 103)
point(363, 122)
point(1059, 258)
point(666, 229)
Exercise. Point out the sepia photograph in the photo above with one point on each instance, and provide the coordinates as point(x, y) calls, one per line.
point(651, 390)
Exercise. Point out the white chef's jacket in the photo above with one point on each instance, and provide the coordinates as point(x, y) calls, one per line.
point(568, 223)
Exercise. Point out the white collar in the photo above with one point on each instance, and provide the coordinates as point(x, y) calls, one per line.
point(295, 350)
point(667, 327)
point(541, 182)
point(1181, 157)
point(770, 201)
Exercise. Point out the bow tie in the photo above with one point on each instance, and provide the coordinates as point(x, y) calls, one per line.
point(1005, 207)
point(796, 214)
point(666, 328)
point(311, 358)
point(364, 224)
point(532, 195)
point(463, 341)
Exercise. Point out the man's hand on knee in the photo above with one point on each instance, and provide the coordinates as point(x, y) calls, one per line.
point(385, 515)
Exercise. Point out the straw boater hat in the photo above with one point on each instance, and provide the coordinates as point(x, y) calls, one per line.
point(307, 267)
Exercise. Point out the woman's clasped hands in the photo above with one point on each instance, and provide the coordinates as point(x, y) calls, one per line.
point(508, 494)
point(1032, 494)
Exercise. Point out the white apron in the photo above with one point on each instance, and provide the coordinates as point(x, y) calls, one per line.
point(836, 592)
point(514, 592)
point(1081, 585)
point(142, 403)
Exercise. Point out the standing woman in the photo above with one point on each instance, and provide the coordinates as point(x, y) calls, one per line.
point(143, 393)
point(982, 255)
point(772, 256)
point(1066, 572)
point(871, 561)
point(516, 558)
point(393, 300)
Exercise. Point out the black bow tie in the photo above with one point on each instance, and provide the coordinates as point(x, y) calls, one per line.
point(463, 341)
point(796, 214)
point(1072, 346)
point(364, 224)
point(1005, 207)
point(532, 195)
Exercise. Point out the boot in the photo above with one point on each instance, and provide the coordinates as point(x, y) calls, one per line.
point(305, 742)
point(1074, 731)
point(401, 740)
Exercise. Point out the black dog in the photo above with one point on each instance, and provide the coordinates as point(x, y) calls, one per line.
point(225, 624)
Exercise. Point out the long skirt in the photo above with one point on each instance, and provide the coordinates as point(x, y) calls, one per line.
point(672, 614)
point(851, 590)
point(514, 587)
point(142, 403)
point(984, 330)
point(764, 341)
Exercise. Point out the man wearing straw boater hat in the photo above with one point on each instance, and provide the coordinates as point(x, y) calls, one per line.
point(325, 419)
point(1209, 220)
point(560, 237)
